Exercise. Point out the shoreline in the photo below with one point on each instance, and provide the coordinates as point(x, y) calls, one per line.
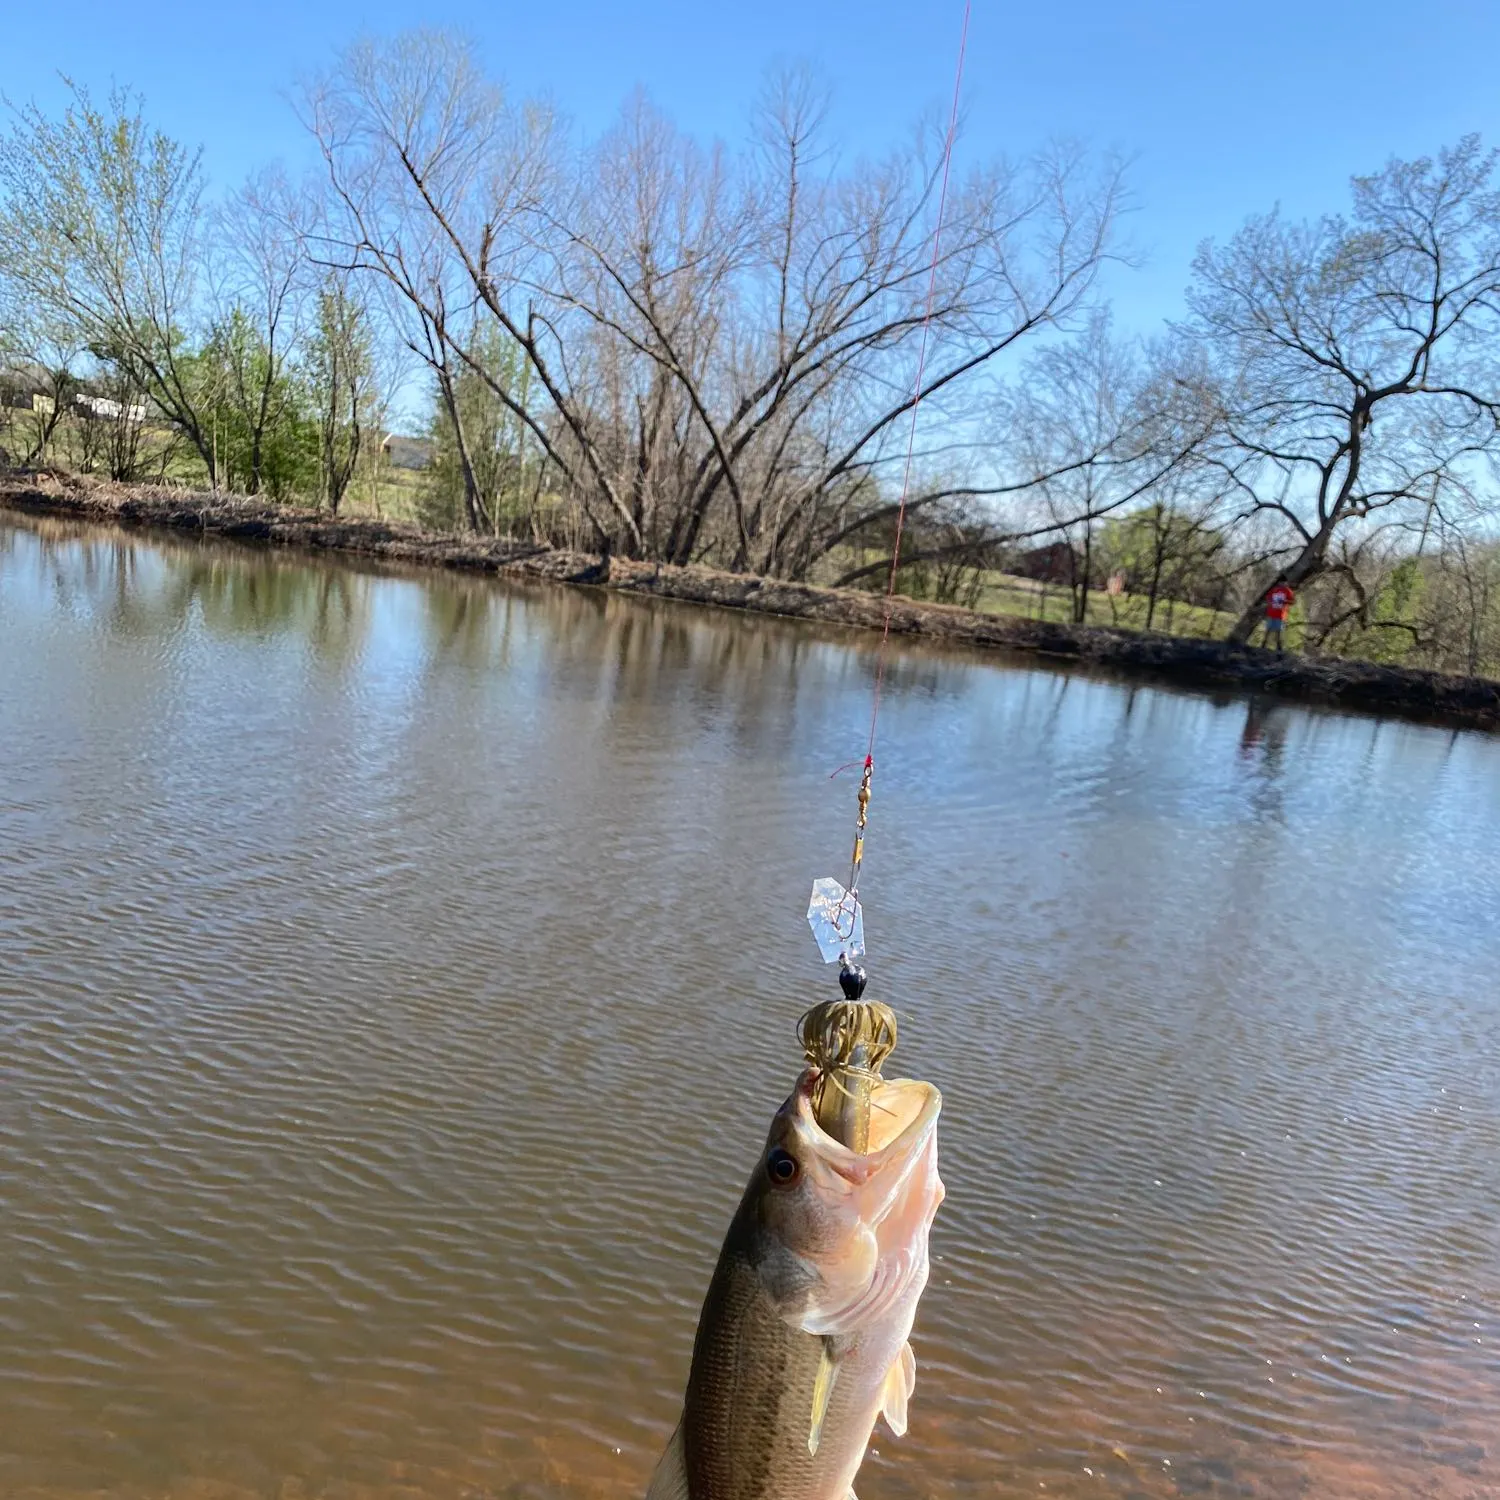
point(1405, 692)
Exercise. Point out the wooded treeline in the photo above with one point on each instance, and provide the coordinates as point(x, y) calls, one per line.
point(689, 351)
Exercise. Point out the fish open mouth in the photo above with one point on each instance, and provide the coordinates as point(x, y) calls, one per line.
point(900, 1106)
point(903, 1115)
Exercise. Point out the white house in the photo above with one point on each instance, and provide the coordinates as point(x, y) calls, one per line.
point(110, 411)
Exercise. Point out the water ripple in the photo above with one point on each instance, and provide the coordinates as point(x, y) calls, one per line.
point(399, 975)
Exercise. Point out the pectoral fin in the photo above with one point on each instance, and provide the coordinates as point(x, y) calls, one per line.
point(900, 1382)
point(828, 1372)
point(670, 1481)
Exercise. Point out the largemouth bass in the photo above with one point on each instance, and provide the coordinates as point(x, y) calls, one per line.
point(802, 1342)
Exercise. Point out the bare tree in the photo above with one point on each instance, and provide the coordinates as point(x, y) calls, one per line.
point(120, 418)
point(40, 359)
point(1353, 361)
point(719, 349)
point(428, 175)
point(1474, 571)
point(1092, 428)
point(783, 301)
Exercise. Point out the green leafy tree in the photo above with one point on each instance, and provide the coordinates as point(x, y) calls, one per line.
point(258, 414)
point(259, 269)
point(101, 231)
point(476, 430)
point(341, 381)
point(1165, 552)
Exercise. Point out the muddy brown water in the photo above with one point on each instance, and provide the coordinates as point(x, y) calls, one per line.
point(397, 975)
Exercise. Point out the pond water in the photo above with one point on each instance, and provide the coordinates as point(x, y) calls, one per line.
point(397, 976)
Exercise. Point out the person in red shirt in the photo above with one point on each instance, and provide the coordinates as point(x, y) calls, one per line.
point(1279, 598)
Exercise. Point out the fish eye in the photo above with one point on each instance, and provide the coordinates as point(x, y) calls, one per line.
point(782, 1166)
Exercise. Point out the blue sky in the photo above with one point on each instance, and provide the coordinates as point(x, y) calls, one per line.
point(1226, 109)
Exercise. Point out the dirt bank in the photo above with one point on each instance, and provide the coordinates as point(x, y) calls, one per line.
point(1360, 685)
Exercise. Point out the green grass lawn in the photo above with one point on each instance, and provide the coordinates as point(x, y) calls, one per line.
point(389, 494)
point(1004, 594)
